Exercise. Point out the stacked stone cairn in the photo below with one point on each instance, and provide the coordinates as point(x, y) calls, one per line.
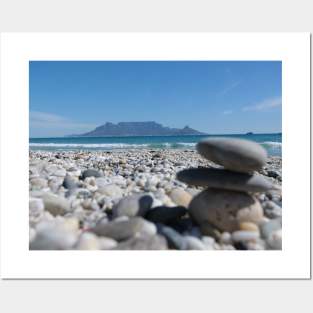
point(228, 205)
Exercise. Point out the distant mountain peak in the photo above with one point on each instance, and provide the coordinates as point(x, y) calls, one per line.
point(149, 128)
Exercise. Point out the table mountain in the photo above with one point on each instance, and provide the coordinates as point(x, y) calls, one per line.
point(139, 129)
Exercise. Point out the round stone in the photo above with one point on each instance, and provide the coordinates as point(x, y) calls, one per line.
point(107, 243)
point(274, 240)
point(245, 235)
point(180, 197)
point(38, 183)
point(135, 205)
point(54, 204)
point(123, 230)
point(194, 243)
point(248, 226)
point(111, 190)
point(88, 241)
point(234, 154)
point(143, 243)
point(224, 179)
point(224, 209)
point(165, 214)
point(267, 228)
point(69, 183)
point(272, 210)
point(90, 173)
point(32, 234)
point(174, 239)
point(50, 236)
point(225, 238)
point(36, 207)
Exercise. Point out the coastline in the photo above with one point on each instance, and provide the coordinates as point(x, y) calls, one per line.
point(84, 201)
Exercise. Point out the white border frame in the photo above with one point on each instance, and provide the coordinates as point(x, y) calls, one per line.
point(17, 49)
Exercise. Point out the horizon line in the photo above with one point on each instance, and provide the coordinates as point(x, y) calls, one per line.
point(225, 134)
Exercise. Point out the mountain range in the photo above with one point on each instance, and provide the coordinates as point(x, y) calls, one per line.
point(150, 128)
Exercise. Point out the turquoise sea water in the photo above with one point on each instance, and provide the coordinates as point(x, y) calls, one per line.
point(271, 142)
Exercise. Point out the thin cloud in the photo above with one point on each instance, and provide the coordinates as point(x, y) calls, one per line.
point(227, 112)
point(44, 120)
point(230, 87)
point(264, 105)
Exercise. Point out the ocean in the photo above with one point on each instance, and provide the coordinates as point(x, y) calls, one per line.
point(271, 142)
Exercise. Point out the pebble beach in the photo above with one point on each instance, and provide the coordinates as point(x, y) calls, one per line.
point(162, 199)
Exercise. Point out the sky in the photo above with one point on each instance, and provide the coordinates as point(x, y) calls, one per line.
point(216, 97)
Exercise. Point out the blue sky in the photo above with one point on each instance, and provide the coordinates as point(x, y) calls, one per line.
point(217, 97)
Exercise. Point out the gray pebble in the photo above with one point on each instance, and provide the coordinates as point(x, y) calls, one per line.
point(194, 243)
point(143, 243)
point(54, 204)
point(270, 226)
point(224, 179)
point(123, 230)
point(90, 173)
point(69, 183)
point(52, 237)
point(135, 205)
point(234, 154)
point(174, 239)
point(245, 235)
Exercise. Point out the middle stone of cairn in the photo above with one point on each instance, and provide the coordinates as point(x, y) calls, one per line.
point(228, 200)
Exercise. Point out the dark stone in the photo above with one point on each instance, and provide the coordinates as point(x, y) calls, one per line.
point(164, 214)
point(274, 174)
point(240, 246)
point(69, 183)
point(90, 173)
point(182, 225)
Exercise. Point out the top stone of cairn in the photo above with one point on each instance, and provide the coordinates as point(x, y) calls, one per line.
point(234, 154)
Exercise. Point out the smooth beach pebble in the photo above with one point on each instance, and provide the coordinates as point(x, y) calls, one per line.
point(274, 240)
point(244, 235)
point(50, 236)
point(32, 234)
point(102, 181)
point(143, 243)
point(270, 226)
point(226, 238)
point(225, 179)
point(164, 214)
point(180, 197)
point(36, 206)
point(38, 183)
point(248, 226)
point(174, 239)
point(54, 204)
point(208, 229)
point(69, 183)
point(111, 190)
point(135, 205)
point(125, 229)
point(222, 207)
point(107, 243)
point(234, 154)
point(272, 210)
point(89, 173)
point(88, 241)
point(194, 243)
